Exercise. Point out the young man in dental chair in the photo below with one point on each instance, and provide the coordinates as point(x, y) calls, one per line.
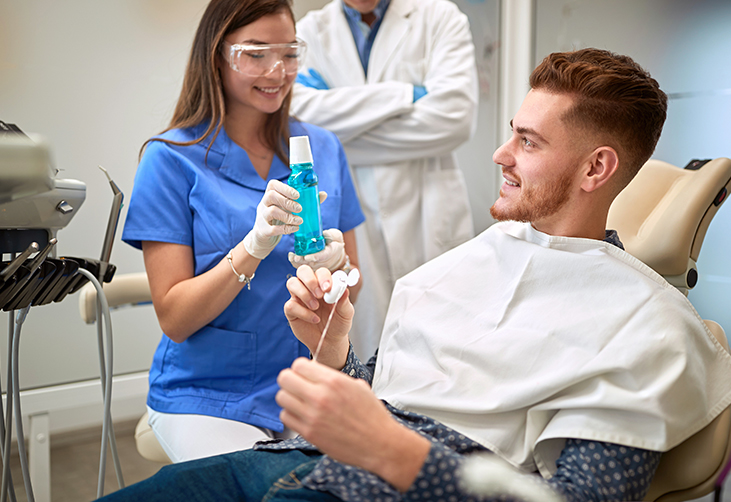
point(540, 340)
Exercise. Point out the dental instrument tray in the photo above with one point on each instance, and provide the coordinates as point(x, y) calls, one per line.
point(33, 282)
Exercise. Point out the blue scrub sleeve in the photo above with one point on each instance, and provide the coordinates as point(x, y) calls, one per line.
point(158, 208)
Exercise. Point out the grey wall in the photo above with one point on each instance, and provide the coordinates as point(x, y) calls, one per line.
point(99, 78)
point(686, 46)
point(96, 79)
point(475, 156)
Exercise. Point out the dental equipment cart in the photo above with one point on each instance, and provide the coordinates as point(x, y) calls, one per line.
point(34, 206)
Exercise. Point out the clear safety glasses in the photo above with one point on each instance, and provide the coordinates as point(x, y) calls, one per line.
point(255, 60)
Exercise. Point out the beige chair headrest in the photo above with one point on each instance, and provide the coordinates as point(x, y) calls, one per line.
point(663, 214)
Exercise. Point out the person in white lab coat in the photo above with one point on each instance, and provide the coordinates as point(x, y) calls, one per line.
point(397, 82)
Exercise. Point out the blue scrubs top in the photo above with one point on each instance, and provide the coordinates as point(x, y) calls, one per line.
point(228, 368)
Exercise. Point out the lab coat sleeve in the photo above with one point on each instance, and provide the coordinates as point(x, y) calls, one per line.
point(347, 109)
point(440, 121)
point(351, 111)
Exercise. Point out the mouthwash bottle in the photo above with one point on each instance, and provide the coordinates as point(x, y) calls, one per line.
point(308, 239)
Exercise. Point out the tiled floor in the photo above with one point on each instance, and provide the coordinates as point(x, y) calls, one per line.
point(75, 465)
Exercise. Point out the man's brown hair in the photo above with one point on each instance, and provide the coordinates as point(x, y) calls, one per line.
point(615, 98)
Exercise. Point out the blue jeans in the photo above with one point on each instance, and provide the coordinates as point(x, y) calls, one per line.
point(249, 475)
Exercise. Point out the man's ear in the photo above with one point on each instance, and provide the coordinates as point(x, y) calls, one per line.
point(603, 165)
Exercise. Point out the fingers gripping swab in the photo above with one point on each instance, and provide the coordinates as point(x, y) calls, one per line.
point(340, 281)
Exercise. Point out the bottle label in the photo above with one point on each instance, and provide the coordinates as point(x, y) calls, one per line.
point(308, 239)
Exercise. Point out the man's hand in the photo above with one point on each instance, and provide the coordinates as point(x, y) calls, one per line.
point(307, 314)
point(312, 79)
point(344, 419)
point(419, 92)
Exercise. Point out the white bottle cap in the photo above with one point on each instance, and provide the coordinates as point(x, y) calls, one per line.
point(299, 150)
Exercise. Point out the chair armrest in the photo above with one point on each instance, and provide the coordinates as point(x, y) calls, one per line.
point(125, 289)
point(690, 470)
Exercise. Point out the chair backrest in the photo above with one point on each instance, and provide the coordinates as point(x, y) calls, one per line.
point(662, 217)
point(663, 214)
point(690, 470)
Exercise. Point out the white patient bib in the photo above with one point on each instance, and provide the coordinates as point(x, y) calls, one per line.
point(518, 339)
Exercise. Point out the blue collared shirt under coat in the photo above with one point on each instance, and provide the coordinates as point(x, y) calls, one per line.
point(363, 34)
point(229, 367)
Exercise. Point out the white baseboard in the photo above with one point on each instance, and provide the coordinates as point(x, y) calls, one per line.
point(80, 405)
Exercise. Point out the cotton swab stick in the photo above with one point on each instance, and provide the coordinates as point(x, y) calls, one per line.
point(324, 332)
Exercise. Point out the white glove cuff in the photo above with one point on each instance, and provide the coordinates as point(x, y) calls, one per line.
point(337, 263)
point(257, 251)
point(346, 264)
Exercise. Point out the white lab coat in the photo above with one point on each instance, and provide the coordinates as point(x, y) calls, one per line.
point(402, 153)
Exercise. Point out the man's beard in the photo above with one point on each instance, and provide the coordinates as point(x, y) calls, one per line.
point(536, 203)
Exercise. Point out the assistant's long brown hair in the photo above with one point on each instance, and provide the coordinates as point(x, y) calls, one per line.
point(201, 98)
point(615, 98)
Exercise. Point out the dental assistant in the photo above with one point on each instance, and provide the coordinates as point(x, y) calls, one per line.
point(396, 80)
point(214, 218)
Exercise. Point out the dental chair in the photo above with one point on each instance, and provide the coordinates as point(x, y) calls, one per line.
point(662, 218)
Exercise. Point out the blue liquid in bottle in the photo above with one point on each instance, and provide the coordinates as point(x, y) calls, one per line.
point(308, 239)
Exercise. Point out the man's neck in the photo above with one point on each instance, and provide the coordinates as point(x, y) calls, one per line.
point(583, 217)
point(585, 228)
point(368, 18)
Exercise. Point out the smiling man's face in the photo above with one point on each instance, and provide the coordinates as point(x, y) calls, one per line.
point(539, 162)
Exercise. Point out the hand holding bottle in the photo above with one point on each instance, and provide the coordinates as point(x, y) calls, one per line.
point(274, 218)
point(332, 257)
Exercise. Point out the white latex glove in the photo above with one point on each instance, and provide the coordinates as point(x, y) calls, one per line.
point(274, 218)
point(332, 257)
